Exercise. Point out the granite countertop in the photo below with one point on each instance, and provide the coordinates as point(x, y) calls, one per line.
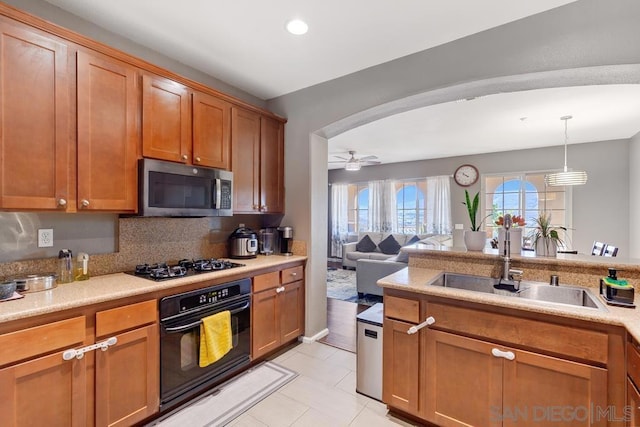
point(418, 280)
point(120, 285)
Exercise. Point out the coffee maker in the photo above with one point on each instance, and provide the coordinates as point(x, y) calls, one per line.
point(286, 239)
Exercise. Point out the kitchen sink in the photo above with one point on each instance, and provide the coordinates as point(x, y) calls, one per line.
point(535, 291)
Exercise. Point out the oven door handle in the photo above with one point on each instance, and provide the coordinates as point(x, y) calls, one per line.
point(199, 322)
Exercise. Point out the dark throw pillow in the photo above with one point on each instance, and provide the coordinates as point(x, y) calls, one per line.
point(414, 239)
point(389, 246)
point(365, 244)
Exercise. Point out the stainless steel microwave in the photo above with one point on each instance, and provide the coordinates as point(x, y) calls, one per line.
point(178, 190)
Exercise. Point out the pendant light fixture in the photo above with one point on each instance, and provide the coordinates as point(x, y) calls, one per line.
point(566, 177)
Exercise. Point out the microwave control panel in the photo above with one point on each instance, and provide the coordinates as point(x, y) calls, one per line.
point(225, 195)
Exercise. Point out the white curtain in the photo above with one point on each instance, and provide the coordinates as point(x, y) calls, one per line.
point(339, 218)
point(382, 206)
point(438, 205)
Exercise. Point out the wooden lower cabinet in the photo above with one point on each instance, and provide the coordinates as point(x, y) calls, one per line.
point(119, 385)
point(277, 314)
point(131, 365)
point(632, 412)
point(401, 354)
point(530, 389)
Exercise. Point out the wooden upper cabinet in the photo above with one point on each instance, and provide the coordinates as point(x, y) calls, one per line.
point(257, 162)
point(108, 136)
point(211, 131)
point(166, 120)
point(35, 88)
point(245, 143)
point(271, 165)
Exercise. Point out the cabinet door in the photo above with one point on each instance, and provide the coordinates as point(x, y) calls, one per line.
point(401, 354)
point(166, 120)
point(463, 381)
point(245, 154)
point(132, 365)
point(108, 136)
point(271, 166)
point(543, 389)
point(633, 404)
point(211, 131)
point(47, 391)
point(265, 323)
point(291, 301)
point(36, 145)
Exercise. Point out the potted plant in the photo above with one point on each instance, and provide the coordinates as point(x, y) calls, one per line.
point(545, 237)
point(515, 234)
point(474, 239)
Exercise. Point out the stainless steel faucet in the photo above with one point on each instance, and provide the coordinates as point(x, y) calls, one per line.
point(509, 276)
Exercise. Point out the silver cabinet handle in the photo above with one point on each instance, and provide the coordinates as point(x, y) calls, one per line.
point(84, 203)
point(280, 289)
point(62, 202)
point(79, 353)
point(294, 274)
point(185, 157)
point(509, 355)
point(430, 321)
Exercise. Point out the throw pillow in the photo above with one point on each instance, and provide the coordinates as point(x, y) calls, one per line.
point(414, 239)
point(365, 244)
point(389, 246)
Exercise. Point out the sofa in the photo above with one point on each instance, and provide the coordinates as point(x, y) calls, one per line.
point(369, 271)
point(352, 251)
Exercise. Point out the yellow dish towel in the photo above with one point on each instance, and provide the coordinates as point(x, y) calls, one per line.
point(215, 338)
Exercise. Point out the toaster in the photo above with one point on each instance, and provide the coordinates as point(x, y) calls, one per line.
point(616, 291)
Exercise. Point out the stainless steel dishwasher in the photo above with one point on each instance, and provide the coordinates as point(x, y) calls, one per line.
point(369, 352)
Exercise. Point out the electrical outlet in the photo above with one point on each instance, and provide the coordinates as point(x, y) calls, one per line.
point(45, 237)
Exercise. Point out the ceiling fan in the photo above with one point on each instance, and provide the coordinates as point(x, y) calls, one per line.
point(353, 163)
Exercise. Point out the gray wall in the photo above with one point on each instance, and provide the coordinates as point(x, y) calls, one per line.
point(608, 184)
point(581, 34)
point(634, 195)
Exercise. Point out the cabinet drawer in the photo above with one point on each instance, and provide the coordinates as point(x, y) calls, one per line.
point(127, 317)
point(31, 342)
point(402, 309)
point(560, 339)
point(633, 362)
point(266, 281)
point(292, 274)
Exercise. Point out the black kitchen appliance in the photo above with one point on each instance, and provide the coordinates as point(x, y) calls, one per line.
point(181, 376)
point(178, 190)
point(184, 267)
point(243, 243)
point(286, 239)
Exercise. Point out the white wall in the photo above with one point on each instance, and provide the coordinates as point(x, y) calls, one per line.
point(608, 185)
point(581, 34)
point(634, 196)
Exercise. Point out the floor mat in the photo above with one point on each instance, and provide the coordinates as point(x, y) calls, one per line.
point(231, 399)
point(341, 284)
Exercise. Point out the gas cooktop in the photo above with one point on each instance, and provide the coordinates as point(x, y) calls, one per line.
point(184, 267)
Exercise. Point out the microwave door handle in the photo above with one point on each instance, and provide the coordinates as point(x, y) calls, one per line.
point(218, 193)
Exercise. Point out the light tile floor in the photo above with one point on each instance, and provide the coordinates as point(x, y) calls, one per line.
point(323, 394)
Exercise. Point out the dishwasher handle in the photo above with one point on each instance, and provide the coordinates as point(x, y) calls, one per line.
point(186, 327)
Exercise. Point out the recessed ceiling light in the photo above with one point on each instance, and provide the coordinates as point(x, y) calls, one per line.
point(297, 27)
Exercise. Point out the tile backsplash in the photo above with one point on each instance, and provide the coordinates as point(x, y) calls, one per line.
point(116, 244)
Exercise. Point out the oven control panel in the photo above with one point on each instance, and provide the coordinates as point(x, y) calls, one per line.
point(208, 297)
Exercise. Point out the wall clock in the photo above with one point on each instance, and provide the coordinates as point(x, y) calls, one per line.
point(466, 175)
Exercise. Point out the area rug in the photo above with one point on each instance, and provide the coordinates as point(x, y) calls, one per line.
point(232, 398)
point(341, 284)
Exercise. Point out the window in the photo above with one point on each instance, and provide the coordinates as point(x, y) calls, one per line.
point(410, 208)
point(526, 195)
point(358, 208)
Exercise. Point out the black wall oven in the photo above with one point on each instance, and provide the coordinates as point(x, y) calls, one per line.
point(181, 377)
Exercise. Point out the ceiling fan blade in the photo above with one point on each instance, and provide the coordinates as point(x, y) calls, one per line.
point(339, 157)
point(336, 161)
point(367, 158)
point(369, 162)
